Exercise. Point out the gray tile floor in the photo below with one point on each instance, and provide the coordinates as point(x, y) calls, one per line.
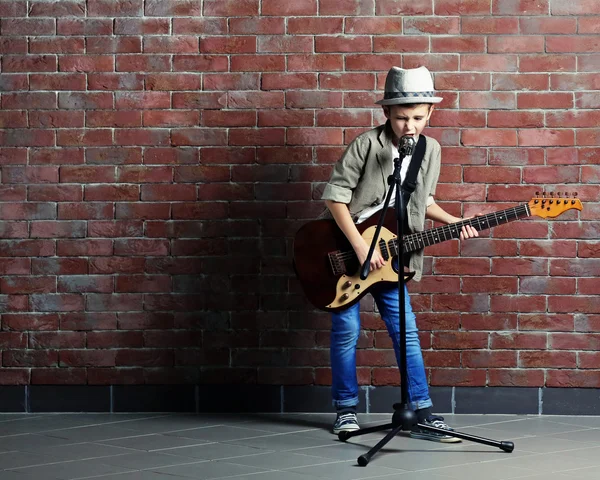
point(288, 446)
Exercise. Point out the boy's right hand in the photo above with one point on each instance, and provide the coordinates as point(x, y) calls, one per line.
point(362, 250)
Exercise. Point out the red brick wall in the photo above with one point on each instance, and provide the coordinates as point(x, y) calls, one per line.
point(158, 156)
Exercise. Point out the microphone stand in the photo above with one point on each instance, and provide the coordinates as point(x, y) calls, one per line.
point(404, 418)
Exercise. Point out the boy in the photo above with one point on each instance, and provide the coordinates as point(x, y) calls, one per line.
point(355, 192)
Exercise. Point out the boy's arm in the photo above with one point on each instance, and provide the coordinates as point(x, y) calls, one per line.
point(438, 214)
point(344, 221)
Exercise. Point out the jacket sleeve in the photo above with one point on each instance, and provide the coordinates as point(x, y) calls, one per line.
point(347, 172)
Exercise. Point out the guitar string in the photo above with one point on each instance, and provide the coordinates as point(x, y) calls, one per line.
point(517, 212)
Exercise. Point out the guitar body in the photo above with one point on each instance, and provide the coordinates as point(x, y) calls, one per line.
point(325, 289)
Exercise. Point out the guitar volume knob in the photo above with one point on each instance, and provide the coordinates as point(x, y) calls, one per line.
point(344, 297)
point(347, 284)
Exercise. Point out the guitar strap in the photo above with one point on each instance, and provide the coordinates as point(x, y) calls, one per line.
point(410, 183)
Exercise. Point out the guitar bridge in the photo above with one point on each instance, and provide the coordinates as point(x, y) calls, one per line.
point(338, 266)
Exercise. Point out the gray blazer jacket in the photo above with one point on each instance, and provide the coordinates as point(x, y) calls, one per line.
point(359, 179)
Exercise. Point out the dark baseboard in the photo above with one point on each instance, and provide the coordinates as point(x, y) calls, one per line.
point(289, 399)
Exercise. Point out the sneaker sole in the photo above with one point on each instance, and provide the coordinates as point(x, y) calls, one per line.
point(435, 439)
point(349, 428)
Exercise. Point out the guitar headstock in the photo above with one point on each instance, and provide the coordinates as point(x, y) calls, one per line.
point(550, 205)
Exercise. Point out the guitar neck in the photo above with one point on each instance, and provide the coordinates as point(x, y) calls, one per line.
point(419, 240)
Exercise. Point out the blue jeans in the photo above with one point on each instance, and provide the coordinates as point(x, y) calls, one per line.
point(345, 329)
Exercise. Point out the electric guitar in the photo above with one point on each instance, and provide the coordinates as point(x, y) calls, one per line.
point(329, 271)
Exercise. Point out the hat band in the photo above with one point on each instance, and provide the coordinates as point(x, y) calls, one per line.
point(388, 95)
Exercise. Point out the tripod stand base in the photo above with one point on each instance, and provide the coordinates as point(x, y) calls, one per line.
point(363, 460)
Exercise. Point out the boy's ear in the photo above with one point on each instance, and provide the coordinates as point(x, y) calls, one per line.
point(386, 111)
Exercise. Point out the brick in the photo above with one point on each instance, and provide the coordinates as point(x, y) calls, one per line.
point(432, 26)
point(309, 99)
point(88, 26)
point(29, 63)
point(521, 7)
point(198, 136)
point(173, 81)
point(489, 26)
point(458, 377)
point(488, 100)
point(458, 44)
point(196, 63)
point(588, 25)
point(169, 156)
point(142, 211)
point(168, 192)
point(314, 136)
point(56, 45)
point(176, 44)
point(13, 119)
point(170, 119)
point(284, 44)
point(55, 266)
point(85, 211)
point(62, 81)
point(13, 82)
point(246, 100)
point(86, 63)
point(546, 137)
point(462, 81)
point(258, 63)
point(547, 63)
point(485, 137)
point(84, 137)
point(569, 44)
point(117, 8)
point(549, 248)
point(16, 8)
point(299, 8)
point(142, 63)
point(501, 119)
point(520, 81)
point(284, 118)
point(191, 8)
point(516, 303)
point(87, 358)
point(573, 378)
point(506, 377)
point(462, 7)
point(302, 25)
point(115, 228)
point(15, 156)
point(111, 193)
point(232, 118)
point(315, 63)
point(548, 26)
point(38, 174)
point(374, 26)
point(520, 266)
point(204, 100)
point(580, 81)
point(112, 265)
point(24, 26)
point(123, 44)
point(144, 26)
point(551, 174)
point(547, 322)
point(115, 81)
point(571, 304)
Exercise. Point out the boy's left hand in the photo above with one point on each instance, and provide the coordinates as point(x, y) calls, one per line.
point(468, 231)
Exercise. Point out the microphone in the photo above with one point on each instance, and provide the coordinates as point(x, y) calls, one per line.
point(406, 146)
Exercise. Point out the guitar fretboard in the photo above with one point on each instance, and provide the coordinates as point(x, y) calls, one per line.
point(416, 241)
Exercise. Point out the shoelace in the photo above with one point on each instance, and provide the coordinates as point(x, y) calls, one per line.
point(344, 417)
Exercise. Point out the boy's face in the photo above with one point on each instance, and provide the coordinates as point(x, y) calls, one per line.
point(408, 119)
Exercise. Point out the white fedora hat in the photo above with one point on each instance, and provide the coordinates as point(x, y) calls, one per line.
point(411, 85)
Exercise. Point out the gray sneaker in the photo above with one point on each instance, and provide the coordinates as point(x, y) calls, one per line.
point(438, 422)
point(345, 422)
